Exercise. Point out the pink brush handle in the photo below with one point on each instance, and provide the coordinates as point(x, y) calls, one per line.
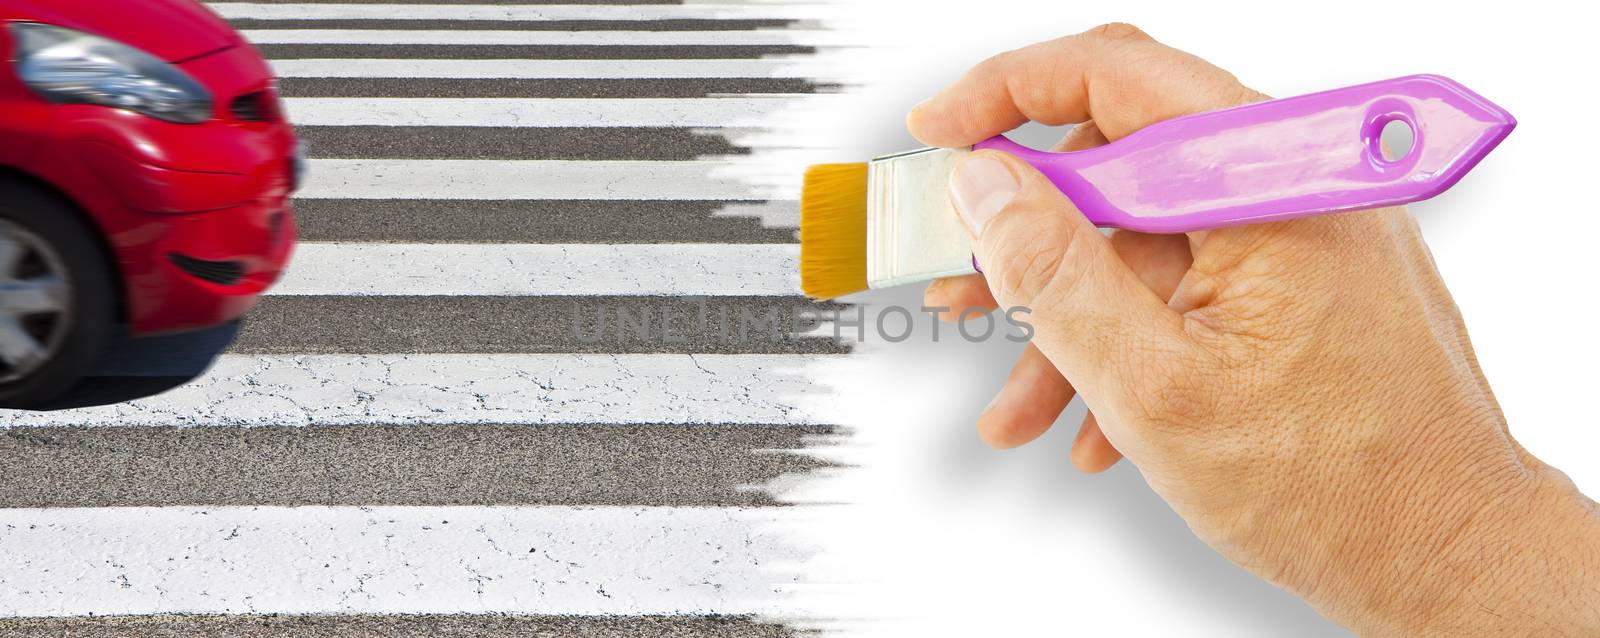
point(1279, 159)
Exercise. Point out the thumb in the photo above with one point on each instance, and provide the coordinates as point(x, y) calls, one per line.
point(1093, 317)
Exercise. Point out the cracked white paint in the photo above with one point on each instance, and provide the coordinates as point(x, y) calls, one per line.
point(413, 560)
point(542, 269)
point(526, 179)
point(320, 11)
point(752, 37)
point(719, 112)
point(430, 389)
point(776, 67)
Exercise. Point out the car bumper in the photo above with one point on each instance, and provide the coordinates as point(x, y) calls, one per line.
point(195, 249)
point(210, 268)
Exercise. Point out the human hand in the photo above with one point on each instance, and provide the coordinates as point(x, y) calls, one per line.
point(1302, 393)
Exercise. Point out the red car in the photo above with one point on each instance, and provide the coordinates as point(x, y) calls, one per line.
point(145, 174)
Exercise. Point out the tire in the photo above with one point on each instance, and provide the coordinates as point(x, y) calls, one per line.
point(68, 340)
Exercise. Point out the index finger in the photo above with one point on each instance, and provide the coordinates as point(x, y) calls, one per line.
point(1114, 74)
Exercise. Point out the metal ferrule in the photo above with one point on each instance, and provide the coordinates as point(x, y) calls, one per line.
point(913, 232)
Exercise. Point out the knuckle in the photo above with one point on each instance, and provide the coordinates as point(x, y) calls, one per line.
point(1036, 98)
point(1001, 69)
point(1119, 31)
point(1250, 317)
point(997, 64)
point(1244, 94)
point(1028, 267)
point(1041, 263)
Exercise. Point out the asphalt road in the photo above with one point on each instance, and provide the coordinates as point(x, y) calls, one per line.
point(656, 465)
point(397, 627)
point(293, 488)
point(478, 142)
point(522, 52)
point(546, 88)
point(504, 324)
point(519, 221)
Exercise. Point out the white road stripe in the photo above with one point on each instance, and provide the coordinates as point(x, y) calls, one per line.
point(389, 560)
point(331, 11)
point(774, 214)
point(534, 112)
point(542, 269)
point(517, 389)
point(550, 69)
point(486, 38)
point(528, 179)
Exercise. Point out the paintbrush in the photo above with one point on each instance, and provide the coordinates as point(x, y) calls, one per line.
point(889, 221)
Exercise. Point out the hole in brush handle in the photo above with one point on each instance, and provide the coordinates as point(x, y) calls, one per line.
point(1383, 119)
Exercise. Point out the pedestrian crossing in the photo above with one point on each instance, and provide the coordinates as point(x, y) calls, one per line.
point(797, 37)
point(527, 179)
point(402, 626)
point(442, 421)
point(544, 69)
point(396, 20)
point(655, 464)
point(526, 51)
point(571, 87)
point(442, 389)
point(544, 324)
point(725, 112)
point(542, 269)
point(643, 221)
point(332, 13)
point(478, 141)
point(549, 560)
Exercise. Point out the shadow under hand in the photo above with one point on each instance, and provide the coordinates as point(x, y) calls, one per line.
point(960, 473)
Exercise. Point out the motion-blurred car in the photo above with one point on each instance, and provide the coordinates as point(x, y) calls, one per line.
point(145, 174)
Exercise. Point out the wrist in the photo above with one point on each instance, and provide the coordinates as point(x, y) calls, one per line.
point(1528, 564)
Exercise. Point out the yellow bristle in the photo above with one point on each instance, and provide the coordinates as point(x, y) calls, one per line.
point(833, 230)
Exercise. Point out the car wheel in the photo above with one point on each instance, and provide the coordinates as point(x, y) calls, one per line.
point(57, 301)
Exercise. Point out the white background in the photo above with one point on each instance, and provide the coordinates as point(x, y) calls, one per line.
point(950, 538)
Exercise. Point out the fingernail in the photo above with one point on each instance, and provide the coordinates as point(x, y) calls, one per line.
point(980, 188)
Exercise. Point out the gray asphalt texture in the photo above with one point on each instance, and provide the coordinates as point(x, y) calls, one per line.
point(492, 324)
point(395, 627)
point(361, 465)
point(480, 142)
point(530, 221)
point(526, 52)
point(544, 88)
point(519, 25)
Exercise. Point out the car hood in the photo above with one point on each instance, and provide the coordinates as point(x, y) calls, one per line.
point(173, 30)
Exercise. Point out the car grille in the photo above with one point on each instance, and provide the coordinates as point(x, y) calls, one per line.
point(254, 107)
point(222, 273)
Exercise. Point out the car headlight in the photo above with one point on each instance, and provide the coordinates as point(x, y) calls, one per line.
point(69, 66)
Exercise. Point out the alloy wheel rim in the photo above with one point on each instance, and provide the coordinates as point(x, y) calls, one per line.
point(35, 304)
